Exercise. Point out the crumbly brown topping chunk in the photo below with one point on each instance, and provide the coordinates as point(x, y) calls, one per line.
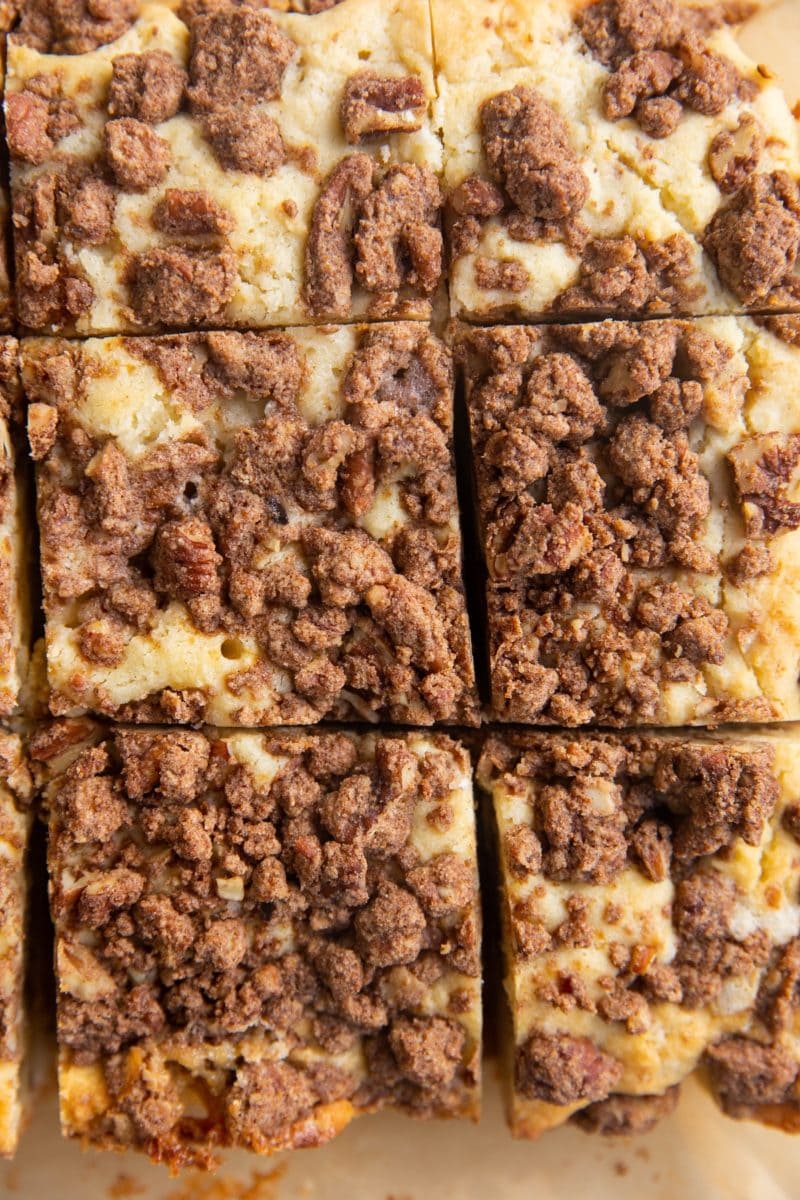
point(747, 1076)
point(148, 87)
point(138, 157)
point(245, 140)
point(383, 232)
point(755, 240)
point(621, 274)
point(659, 61)
point(355, 623)
point(661, 804)
point(538, 190)
point(238, 56)
point(373, 104)
point(561, 1069)
point(627, 1116)
point(193, 870)
point(37, 118)
point(587, 481)
point(180, 286)
point(528, 151)
point(73, 26)
point(762, 469)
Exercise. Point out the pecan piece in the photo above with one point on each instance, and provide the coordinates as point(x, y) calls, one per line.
point(374, 103)
point(329, 253)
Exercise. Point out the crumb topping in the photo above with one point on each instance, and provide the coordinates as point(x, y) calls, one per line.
point(220, 907)
point(659, 61)
point(73, 26)
point(755, 240)
point(633, 812)
point(390, 241)
point(594, 501)
point(373, 104)
point(261, 538)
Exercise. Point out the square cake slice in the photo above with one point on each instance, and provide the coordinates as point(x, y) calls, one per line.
point(251, 529)
point(260, 936)
point(638, 495)
point(615, 158)
point(651, 920)
point(15, 553)
point(223, 165)
point(16, 791)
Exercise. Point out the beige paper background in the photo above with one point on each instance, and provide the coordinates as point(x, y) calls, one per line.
point(694, 1155)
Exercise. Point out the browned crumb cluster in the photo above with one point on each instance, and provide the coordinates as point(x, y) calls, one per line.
point(278, 936)
point(391, 239)
point(594, 503)
point(660, 61)
point(538, 188)
point(371, 626)
point(601, 811)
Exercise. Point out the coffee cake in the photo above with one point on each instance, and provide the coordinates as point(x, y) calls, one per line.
point(223, 165)
point(15, 822)
point(651, 920)
point(15, 599)
point(251, 529)
point(259, 936)
point(637, 494)
point(615, 158)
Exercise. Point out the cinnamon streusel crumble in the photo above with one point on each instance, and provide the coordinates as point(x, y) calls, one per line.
point(251, 529)
point(651, 921)
point(259, 936)
point(638, 498)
